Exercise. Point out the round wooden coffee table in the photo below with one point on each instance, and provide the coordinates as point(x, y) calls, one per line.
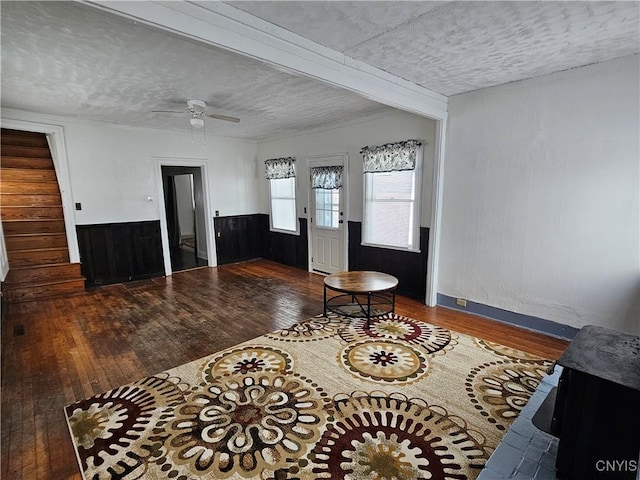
point(360, 294)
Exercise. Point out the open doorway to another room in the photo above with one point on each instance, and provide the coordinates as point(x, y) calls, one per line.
point(185, 217)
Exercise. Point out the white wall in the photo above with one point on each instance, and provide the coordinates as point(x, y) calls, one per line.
point(184, 201)
point(113, 168)
point(351, 138)
point(541, 197)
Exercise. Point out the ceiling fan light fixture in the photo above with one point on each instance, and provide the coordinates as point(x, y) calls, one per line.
point(196, 106)
point(197, 122)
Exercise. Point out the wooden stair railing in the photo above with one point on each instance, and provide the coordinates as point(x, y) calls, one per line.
point(33, 221)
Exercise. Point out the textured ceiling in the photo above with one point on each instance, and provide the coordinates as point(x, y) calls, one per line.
point(456, 47)
point(71, 59)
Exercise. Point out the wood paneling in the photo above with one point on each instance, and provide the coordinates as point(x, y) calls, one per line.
point(79, 346)
point(410, 268)
point(238, 238)
point(120, 252)
point(244, 237)
point(288, 249)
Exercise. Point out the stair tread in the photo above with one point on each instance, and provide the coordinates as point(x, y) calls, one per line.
point(43, 234)
point(27, 147)
point(33, 148)
point(28, 293)
point(11, 157)
point(31, 206)
point(39, 283)
point(18, 220)
point(36, 250)
point(31, 283)
point(43, 265)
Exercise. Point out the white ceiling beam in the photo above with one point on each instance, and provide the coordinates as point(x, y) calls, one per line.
point(225, 27)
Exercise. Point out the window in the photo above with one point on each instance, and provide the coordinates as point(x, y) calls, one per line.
point(283, 204)
point(327, 202)
point(282, 193)
point(392, 195)
point(326, 182)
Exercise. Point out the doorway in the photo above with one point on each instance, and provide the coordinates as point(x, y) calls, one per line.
point(327, 228)
point(185, 217)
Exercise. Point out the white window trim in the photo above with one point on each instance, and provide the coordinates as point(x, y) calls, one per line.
point(295, 201)
point(417, 210)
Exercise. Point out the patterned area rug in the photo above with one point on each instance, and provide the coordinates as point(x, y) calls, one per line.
point(326, 398)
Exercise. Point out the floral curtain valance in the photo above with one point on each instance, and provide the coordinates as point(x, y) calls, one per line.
point(326, 177)
point(391, 156)
point(279, 168)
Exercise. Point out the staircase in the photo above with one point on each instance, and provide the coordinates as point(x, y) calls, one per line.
point(33, 222)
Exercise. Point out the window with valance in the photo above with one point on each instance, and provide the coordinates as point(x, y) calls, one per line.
point(279, 168)
point(326, 183)
point(392, 177)
point(281, 174)
point(326, 177)
point(391, 157)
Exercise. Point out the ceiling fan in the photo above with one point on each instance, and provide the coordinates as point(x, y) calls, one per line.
point(197, 109)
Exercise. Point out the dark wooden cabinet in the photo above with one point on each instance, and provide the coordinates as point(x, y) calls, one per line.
point(120, 252)
point(596, 415)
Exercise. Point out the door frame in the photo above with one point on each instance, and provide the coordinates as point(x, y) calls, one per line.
point(184, 162)
point(325, 160)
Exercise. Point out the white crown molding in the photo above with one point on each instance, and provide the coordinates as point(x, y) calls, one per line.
point(225, 27)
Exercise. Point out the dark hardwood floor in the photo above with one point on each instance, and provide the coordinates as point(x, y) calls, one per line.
point(55, 352)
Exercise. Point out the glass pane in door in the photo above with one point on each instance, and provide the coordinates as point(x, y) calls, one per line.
point(327, 205)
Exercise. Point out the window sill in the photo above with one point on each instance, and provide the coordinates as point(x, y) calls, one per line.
point(287, 232)
point(391, 247)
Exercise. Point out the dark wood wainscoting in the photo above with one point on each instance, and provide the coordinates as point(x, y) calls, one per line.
point(119, 252)
point(410, 268)
point(238, 238)
point(292, 250)
point(244, 237)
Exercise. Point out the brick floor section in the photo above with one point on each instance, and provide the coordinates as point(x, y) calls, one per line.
point(526, 453)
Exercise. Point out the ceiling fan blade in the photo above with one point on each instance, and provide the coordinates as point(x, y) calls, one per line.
point(224, 117)
point(167, 111)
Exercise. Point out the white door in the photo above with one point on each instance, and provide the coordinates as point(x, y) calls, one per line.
point(328, 220)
